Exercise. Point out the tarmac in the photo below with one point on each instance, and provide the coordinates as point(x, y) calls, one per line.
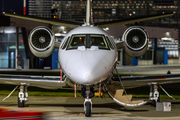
point(69, 108)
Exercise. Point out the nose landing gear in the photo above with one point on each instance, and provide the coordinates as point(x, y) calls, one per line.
point(87, 93)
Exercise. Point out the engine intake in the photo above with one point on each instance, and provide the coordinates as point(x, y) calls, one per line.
point(136, 41)
point(41, 41)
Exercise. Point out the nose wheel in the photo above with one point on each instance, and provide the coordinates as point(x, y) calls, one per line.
point(87, 93)
point(87, 107)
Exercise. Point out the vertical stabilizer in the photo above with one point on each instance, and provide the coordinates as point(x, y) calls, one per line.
point(91, 12)
point(88, 12)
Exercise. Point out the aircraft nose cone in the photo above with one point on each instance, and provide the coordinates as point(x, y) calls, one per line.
point(88, 67)
point(90, 73)
point(87, 76)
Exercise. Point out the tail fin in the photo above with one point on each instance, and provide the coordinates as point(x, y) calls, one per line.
point(89, 18)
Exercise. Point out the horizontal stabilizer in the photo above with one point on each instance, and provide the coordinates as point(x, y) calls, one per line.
point(131, 20)
point(70, 24)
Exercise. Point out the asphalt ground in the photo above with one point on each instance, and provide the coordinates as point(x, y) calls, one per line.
point(69, 108)
point(60, 108)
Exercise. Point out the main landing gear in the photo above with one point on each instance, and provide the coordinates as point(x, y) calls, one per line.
point(22, 95)
point(87, 92)
point(154, 95)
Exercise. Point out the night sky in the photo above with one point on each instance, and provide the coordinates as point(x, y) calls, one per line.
point(12, 6)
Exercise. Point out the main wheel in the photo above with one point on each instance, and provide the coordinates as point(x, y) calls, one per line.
point(154, 102)
point(20, 104)
point(88, 109)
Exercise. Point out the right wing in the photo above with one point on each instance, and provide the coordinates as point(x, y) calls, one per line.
point(47, 82)
point(57, 44)
point(48, 79)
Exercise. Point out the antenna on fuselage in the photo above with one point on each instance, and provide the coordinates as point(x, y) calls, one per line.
point(89, 12)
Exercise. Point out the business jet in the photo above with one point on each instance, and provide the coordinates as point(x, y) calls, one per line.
point(88, 56)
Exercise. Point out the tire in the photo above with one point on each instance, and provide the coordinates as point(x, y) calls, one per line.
point(154, 102)
point(20, 104)
point(88, 109)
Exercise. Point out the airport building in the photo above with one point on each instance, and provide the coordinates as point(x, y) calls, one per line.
point(103, 10)
point(164, 33)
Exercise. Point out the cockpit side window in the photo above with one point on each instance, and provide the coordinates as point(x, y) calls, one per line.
point(65, 43)
point(76, 41)
point(99, 40)
point(110, 44)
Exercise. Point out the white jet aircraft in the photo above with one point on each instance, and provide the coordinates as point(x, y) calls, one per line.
point(88, 56)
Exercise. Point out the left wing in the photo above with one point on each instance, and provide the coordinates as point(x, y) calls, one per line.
point(143, 80)
point(120, 44)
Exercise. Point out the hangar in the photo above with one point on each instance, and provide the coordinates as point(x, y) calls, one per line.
point(163, 32)
point(88, 54)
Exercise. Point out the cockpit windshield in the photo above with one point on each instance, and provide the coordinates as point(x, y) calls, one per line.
point(76, 41)
point(88, 41)
point(98, 40)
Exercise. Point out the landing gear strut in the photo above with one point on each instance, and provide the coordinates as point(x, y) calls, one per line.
point(154, 95)
point(22, 95)
point(87, 92)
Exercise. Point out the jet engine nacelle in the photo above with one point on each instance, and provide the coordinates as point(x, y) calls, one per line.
point(41, 42)
point(135, 41)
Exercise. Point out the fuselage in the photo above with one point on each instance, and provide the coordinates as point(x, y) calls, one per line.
point(87, 55)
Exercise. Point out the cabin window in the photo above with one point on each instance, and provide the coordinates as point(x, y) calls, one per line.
point(76, 41)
